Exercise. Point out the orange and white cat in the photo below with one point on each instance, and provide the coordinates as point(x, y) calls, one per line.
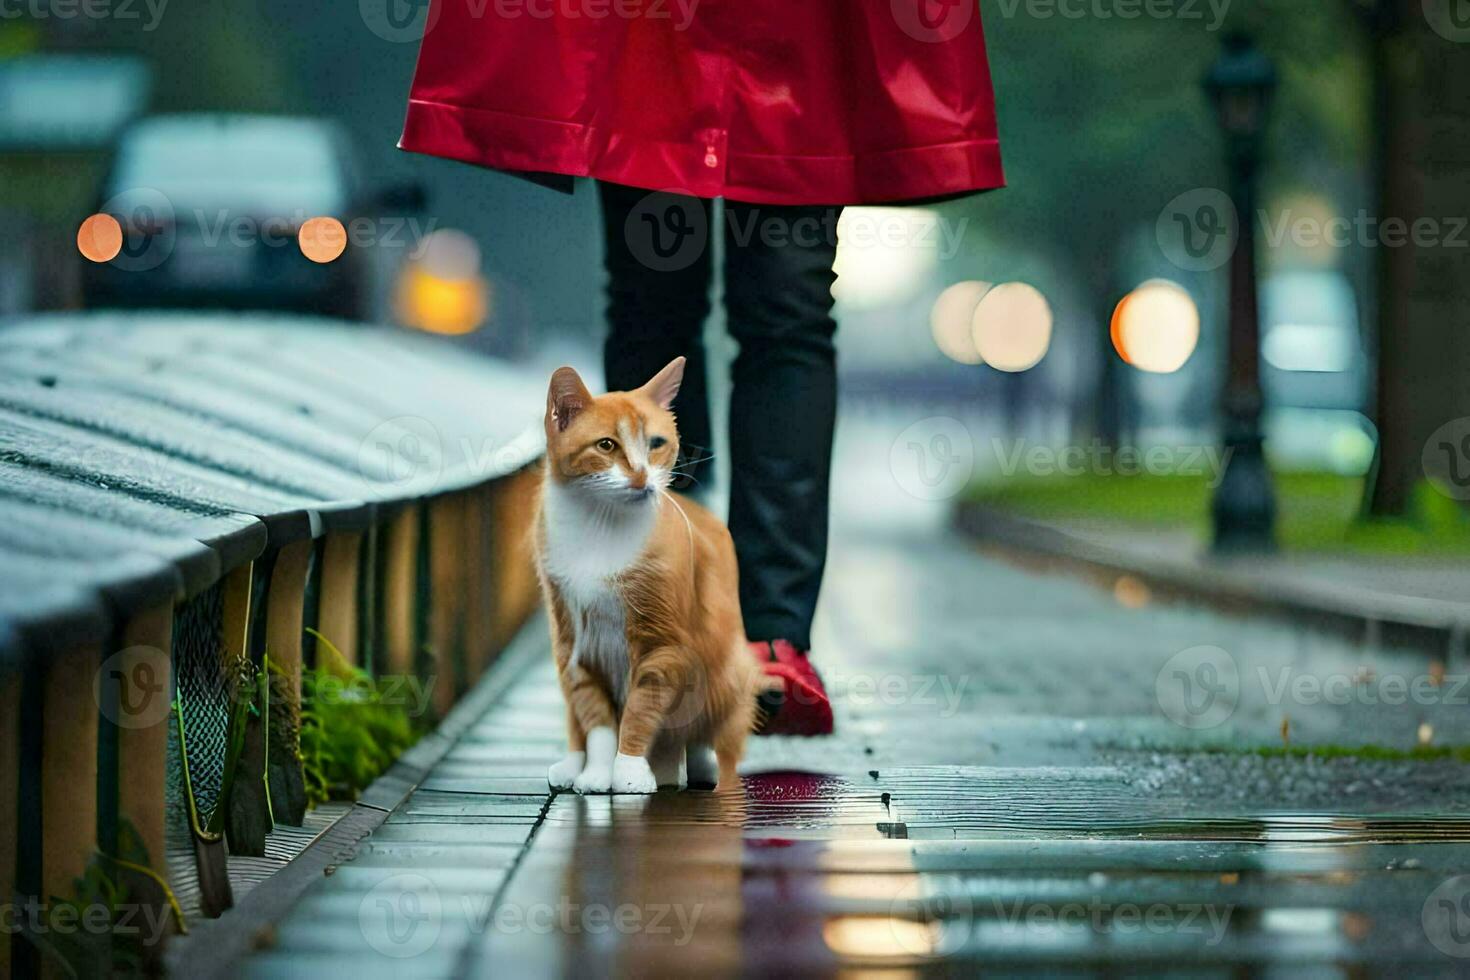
point(641, 591)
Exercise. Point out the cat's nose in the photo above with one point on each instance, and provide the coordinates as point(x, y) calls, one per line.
point(638, 480)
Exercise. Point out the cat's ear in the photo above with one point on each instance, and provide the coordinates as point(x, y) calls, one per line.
point(665, 385)
point(566, 397)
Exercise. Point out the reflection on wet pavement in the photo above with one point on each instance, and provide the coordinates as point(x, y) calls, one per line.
point(1004, 794)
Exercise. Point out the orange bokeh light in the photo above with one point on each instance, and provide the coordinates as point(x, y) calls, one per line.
point(1116, 332)
point(1156, 328)
point(100, 238)
point(322, 239)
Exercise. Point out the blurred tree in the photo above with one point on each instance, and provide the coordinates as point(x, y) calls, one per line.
point(1422, 164)
point(1104, 124)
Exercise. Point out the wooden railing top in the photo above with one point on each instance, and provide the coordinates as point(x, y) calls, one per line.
point(144, 455)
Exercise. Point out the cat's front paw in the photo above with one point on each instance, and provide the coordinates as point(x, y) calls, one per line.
point(632, 774)
point(562, 774)
point(593, 779)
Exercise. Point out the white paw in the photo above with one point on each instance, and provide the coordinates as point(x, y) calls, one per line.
point(593, 779)
point(563, 773)
point(632, 774)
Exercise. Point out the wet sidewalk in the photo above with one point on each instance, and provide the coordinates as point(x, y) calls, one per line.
point(1028, 775)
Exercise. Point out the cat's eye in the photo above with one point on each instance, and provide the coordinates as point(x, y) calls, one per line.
point(657, 442)
point(606, 445)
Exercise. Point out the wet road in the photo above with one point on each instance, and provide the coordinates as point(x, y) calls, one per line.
point(1033, 774)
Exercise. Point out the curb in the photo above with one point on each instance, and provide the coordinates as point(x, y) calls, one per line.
point(1434, 627)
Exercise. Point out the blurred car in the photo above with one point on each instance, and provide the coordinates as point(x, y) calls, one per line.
point(211, 207)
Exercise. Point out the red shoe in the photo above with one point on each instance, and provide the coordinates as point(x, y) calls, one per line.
point(798, 704)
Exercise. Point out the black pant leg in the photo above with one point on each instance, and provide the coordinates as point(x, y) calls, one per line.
point(659, 268)
point(778, 291)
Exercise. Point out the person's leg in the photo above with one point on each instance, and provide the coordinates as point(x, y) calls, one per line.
point(659, 267)
point(778, 291)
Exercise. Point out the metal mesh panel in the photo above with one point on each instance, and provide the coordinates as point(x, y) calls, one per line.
point(204, 691)
point(183, 869)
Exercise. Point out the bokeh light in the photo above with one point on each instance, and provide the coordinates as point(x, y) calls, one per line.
point(1156, 327)
point(100, 238)
point(952, 320)
point(322, 239)
point(885, 256)
point(442, 290)
point(1012, 327)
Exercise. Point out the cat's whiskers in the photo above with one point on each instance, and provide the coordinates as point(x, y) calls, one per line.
point(687, 526)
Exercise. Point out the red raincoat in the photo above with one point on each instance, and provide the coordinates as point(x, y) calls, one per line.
point(764, 101)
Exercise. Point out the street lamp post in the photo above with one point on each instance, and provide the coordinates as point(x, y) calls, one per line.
point(1241, 85)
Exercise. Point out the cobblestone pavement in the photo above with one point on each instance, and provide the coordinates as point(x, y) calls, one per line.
point(1032, 774)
